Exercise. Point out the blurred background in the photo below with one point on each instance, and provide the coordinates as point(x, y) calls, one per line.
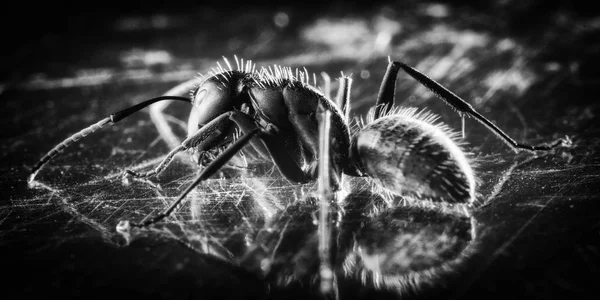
point(529, 66)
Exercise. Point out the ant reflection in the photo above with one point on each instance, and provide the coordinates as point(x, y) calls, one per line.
point(401, 248)
point(378, 242)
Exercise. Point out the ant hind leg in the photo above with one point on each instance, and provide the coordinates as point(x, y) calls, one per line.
point(461, 106)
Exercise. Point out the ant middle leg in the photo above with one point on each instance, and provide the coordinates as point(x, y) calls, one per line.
point(343, 96)
point(326, 88)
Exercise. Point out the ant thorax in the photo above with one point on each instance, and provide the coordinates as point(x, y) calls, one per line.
point(258, 92)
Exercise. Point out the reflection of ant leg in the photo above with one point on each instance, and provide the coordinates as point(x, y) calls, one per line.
point(327, 284)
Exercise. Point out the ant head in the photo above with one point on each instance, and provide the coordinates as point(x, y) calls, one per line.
point(215, 96)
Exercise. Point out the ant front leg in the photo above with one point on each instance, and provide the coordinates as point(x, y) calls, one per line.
point(204, 138)
point(210, 170)
point(264, 141)
point(386, 97)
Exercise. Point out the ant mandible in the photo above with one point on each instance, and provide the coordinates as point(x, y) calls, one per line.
point(277, 113)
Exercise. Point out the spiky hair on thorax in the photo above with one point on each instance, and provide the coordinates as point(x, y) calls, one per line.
point(264, 77)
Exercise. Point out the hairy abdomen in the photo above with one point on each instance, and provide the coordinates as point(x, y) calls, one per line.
point(406, 153)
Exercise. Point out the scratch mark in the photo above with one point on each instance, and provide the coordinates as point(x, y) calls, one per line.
point(50, 198)
point(95, 207)
point(497, 84)
point(124, 201)
point(8, 212)
point(504, 246)
point(503, 179)
point(519, 115)
point(98, 227)
point(281, 235)
point(530, 204)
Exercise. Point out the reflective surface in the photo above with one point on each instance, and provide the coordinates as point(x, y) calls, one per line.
point(249, 234)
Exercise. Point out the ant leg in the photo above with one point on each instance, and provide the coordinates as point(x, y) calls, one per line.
point(387, 91)
point(343, 96)
point(271, 145)
point(161, 167)
point(203, 138)
point(464, 108)
point(113, 118)
point(211, 169)
point(301, 113)
point(326, 85)
point(268, 145)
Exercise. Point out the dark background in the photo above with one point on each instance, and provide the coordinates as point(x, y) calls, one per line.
point(65, 65)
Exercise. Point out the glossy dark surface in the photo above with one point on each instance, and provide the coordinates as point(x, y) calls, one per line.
point(529, 66)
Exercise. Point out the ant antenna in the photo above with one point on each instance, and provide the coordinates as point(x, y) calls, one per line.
point(113, 118)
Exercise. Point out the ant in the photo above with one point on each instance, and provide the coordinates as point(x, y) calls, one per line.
point(277, 112)
point(285, 119)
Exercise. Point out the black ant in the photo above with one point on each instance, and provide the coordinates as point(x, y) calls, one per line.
point(277, 113)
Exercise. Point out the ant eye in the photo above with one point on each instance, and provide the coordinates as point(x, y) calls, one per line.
point(200, 94)
point(213, 96)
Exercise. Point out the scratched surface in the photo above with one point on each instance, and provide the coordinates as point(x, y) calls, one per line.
point(249, 234)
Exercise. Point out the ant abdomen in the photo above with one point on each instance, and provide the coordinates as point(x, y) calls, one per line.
point(406, 153)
